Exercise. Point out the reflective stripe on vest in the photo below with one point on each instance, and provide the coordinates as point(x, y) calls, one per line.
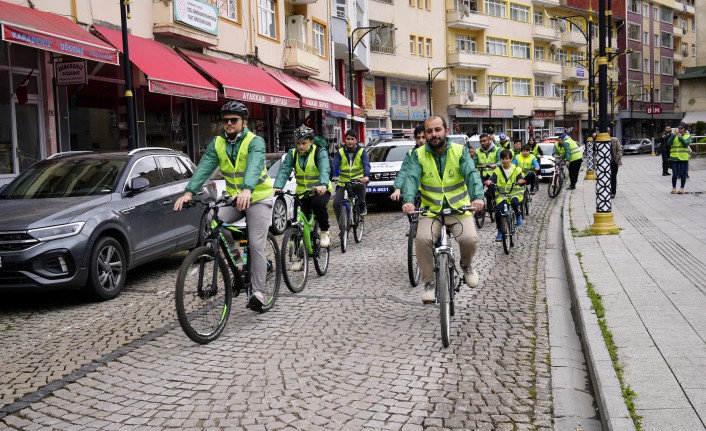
point(452, 187)
point(309, 176)
point(680, 151)
point(350, 172)
point(504, 185)
point(525, 163)
point(234, 175)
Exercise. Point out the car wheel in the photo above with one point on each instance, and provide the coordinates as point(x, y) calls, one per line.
point(106, 269)
point(279, 217)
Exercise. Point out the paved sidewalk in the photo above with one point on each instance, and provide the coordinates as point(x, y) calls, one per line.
point(652, 280)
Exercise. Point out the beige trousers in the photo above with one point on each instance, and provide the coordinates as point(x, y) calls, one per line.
point(463, 230)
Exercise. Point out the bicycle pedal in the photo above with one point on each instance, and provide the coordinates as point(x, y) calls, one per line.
point(429, 302)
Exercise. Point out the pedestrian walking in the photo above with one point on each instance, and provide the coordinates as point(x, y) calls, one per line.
point(664, 149)
point(679, 156)
point(572, 154)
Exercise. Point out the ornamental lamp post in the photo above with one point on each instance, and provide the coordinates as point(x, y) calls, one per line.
point(431, 76)
point(129, 100)
point(492, 88)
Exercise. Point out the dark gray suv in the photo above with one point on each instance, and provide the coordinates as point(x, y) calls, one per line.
point(81, 220)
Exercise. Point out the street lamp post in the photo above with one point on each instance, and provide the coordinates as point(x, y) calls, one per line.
point(351, 48)
point(492, 88)
point(431, 76)
point(566, 97)
point(129, 100)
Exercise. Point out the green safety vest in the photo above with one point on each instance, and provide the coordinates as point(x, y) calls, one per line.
point(309, 176)
point(559, 150)
point(234, 175)
point(680, 151)
point(489, 158)
point(350, 172)
point(574, 150)
point(452, 187)
point(515, 153)
point(525, 163)
point(504, 185)
point(535, 151)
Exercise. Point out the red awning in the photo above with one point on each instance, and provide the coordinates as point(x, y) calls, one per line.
point(53, 33)
point(167, 72)
point(316, 95)
point(244, 82)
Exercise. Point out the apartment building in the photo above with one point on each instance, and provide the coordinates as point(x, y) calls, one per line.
point(661, 35)
point(64, 65)
point(691, 80)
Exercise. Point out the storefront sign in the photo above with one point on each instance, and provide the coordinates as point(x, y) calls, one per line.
point(417, 113)
point(71, 73)
point(399, 113)
point(197, 14)
point(480, 113)
point(266, 99)
point(580, 72)
point(537, 123)
point(315, 104)
point(56, 44)
point(369, 93)
point(544, 114)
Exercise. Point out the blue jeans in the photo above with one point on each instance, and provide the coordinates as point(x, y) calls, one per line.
point(679, 170)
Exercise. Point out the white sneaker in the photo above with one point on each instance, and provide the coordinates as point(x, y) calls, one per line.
point(470, 276)
point(296, 266)
point(429, 293)
point(256, 301)
point(324, 239)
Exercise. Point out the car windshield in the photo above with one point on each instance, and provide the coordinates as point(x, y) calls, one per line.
point(273, 166)
point(389, 153)
point(461, 140)
point(547, 149)
point(55, 178)
point(633, 142)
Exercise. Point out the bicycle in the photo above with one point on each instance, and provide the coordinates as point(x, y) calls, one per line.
point(299, 242)
point(350, 217)
point(412, 264)
point(509, 221)
point(557, 181)
point(204, 289)
point(526, 196)
point(448, 283)
point(479, 216)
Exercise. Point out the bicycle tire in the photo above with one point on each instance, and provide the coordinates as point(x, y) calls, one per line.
point(453, 276)
point(412, 264)
point(442, 287)
point(274, 273)
point(554, 188)
point(506, 233)
point(321, 254)
point(293, 253)
point(562, 175)
point(479, 218)
point(343, 227)
point(358, 226)
point(490, 209)
point(511, 229)
point(203, 315)
point(525, 203)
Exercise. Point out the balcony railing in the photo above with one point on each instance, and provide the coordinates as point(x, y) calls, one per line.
point(300, 57)
point(547, 103)
point(572, 38)
point(547, 67)
point(461, 98)
point(574, 73)
point(545, 32)
point(381, 48)
point(467, 19)
point(469, 59)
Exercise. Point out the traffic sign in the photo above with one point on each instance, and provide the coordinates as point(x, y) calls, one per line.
point(654, 109)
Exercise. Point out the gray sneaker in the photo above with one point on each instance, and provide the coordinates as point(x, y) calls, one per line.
point(429, 293)
point(257, 300)
point(470, 277)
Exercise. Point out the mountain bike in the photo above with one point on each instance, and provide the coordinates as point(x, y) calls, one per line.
point(557, 181)
point(448, 281)
point(412, 264)
point(204, 288)
point(350, 217)
point(509, 220)
point(299, 242)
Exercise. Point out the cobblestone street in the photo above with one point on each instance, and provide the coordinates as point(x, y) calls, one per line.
point(356, 349)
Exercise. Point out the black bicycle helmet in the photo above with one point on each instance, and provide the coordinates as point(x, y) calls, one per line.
point(235, 107)
point(303, 132)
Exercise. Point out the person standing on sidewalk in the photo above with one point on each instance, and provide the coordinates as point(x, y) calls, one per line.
point(572, 154)
point(679, 156)
point(664, 149)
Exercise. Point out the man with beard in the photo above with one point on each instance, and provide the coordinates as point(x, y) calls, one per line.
point(447, 178)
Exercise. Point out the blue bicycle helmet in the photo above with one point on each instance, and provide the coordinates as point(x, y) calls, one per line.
point(502, 137)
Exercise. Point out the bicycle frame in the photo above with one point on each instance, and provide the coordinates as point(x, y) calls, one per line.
point(241, 279)
point(305, 226)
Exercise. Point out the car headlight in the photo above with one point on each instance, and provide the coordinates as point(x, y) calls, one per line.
point(56, 232)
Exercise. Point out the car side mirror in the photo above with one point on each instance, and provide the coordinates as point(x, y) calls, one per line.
point(138, 185)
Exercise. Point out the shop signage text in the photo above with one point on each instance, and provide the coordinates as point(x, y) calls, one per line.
point(315, 104)
point(267, 99)
point(197, 14)
point(654, 109)
point(71, 73)
point(55, 44)
point(544, 114)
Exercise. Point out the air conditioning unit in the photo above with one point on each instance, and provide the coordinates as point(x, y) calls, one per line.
point(296, 28)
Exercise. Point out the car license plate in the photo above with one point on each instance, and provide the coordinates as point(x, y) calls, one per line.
point(378, 189)
point(542, 171)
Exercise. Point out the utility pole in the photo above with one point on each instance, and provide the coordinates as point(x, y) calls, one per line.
point(129, 99)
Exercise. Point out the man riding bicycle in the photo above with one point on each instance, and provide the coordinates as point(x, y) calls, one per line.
point(351, 163)
point(446, 177)
point(240, 154)
point(487, 155)
point(311, 170)
point(505, 177)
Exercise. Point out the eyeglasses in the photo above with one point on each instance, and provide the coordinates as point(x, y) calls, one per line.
point(230, 120)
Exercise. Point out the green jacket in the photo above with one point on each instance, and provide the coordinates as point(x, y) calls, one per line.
point(403, 170)
point(322, 162)
point(413, 175)
point(209, 162)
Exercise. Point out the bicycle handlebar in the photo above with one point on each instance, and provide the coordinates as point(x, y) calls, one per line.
point(445, 211)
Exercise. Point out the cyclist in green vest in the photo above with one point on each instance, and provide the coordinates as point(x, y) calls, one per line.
point(504, 143)
point(529, 165)
point(534, 148)
point(573, 155)
point(312, 171)
point(504, 177)
point(351, 163)
point(240, 154)
point(446, 177)
point(420, 139)
point(678, 144)
point(516, 147)
point(488, 155)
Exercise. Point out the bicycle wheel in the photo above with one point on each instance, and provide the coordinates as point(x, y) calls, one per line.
point(479, 218)
point(453, 276)
point(412, 264)
point(295, 260)
point(562, 175)
point(525, 203)
point(274, 272)
point(343, 227)
point(321, 254)
point(442, 289)
point(358, 225)
point(506, 233)
point(554, 186)
point(511, 230)
point(490, 209)
point(202, 301)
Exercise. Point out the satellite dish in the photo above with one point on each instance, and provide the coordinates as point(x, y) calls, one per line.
point(562, 26)
point(470, 96)
point(552, 49)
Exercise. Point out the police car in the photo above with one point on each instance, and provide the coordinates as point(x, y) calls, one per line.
point(385, 163)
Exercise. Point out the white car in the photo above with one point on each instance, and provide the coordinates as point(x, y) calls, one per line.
point(283, 207)
point(385, 162)
point(546, 160)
